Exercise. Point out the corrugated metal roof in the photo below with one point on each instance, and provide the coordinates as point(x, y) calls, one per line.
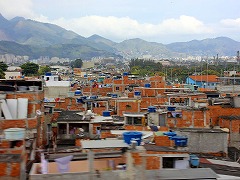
point(98, 144)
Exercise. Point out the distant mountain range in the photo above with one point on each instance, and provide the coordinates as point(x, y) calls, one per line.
point(21, 36)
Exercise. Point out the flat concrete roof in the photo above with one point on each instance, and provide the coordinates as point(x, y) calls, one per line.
point(98, 144)
point(200, 130)
point(196, 173)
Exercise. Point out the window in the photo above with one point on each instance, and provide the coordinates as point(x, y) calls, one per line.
point(137, 121)
point(134, 120)
point(129, 121)
point(128, 107)
point(117, 88)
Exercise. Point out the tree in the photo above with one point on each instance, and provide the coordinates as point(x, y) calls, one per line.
point(77, 63)
point(30, 68)
point(43, 69)
point(210, 72)
point(3, 66)
point(144, 67)
point(2, 74)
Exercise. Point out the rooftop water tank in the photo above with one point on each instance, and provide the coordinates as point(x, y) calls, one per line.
point(171, 108)
point(106, 113)
point(14, 133)
point(78, 93)
point(114, 95)
point(22, 88)
point(79, 100)
point(33, 88)
point(170, 134)
point(147, 85)
point(180, 141)
point(132, 136)
point(84, 97)
point(125, 73)
point(48, 74)
point(93, 97)
point(137, 93)
point(151, 109)
point(194, 160)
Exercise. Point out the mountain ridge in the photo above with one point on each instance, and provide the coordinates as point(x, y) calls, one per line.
point(47, 37)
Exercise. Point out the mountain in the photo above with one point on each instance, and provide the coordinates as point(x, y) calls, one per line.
point(48, 39)
point(137, 48)
point(29, 32)
point(9, 47)
point(102, 43)
point(72, 51)
point(98, 39)
point(207, 47)
point(22, 36)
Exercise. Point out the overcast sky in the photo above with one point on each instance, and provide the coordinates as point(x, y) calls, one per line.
point(163, 21)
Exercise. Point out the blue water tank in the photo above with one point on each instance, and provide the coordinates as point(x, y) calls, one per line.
point(85, 76)
point(48, 74)
point(180, 141)
point(134, 135)
point(114, 95)
point(79, 100)
point(171, 108)
point(125, 73)
point(93, 97)
point(137, 93)
point(194, 160)
point(147, 85)
point(106, 113)
point(78, 93)
point(151, 109)
point(170, 134)
point(84, 97)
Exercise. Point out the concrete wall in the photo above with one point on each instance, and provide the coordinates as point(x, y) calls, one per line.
point(206, 142)
point(229, 88)
point(56, 91)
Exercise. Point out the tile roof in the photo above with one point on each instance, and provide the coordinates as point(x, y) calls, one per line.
point(206, 78)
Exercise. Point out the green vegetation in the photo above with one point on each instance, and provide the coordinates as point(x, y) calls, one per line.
point(30, 68)
point(145, 67)
point(179, 72)
point(77, 63)
point(3, 67)
point(43, 69)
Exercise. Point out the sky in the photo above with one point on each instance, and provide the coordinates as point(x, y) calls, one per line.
point(163, 21)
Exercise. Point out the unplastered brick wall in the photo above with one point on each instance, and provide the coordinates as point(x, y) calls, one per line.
point(163, 141)
point(217, 111)
point(30, 123)
point(190, 118)
point(11, 167)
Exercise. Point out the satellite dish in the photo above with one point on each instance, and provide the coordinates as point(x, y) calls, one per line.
point(38, 112)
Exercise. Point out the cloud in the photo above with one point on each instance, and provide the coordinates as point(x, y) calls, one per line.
point(13, 8)
point(125, 27)
point(231, 23)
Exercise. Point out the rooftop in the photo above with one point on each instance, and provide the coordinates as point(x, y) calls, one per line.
point(206, 78)
point(98, 144)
